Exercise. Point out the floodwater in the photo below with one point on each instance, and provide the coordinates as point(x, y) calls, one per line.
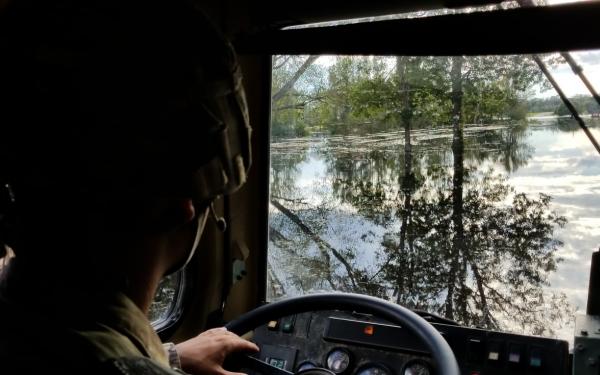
point(497, 223)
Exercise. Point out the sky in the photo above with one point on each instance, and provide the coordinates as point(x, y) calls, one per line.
point(569, 82)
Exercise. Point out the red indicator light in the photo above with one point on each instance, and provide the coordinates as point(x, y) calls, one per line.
point(369, 330)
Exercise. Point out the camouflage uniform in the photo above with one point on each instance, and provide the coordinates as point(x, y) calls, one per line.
point(71, 335)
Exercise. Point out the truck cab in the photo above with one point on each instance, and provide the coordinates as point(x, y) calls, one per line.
point(441, 156)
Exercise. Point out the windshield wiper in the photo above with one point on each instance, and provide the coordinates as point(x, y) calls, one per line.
point(567, 102)
point(579, 72)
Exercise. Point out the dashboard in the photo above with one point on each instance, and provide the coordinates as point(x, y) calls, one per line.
point(358, 344)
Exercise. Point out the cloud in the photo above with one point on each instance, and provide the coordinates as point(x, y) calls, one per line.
point(587, 57)
point(569, 82)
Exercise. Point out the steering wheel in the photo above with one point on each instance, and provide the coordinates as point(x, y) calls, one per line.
point(444, 359)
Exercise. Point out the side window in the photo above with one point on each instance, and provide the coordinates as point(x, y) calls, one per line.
point(167, 304)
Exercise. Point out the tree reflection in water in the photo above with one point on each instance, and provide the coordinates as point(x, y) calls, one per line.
point(482, 260)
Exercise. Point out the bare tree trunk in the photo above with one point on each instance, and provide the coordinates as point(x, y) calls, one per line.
point(289, 84)
point(407, 184)
point(476, 116)
point(457, 183)
point(486, 320)
point(277, 288)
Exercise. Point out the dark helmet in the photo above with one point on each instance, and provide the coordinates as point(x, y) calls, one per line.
point(118, 98)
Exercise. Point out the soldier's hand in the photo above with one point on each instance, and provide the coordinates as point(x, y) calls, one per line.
point(205, 353)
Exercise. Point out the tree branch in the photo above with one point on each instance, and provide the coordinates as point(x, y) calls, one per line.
point(485, 309)
point(292, 106)
point(322, 244)
point(289, 84)
point(275, 282)
point(278, 61)
point(300, 105)
point(295, 201)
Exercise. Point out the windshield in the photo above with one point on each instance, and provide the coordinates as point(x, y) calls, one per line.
point(456, 185)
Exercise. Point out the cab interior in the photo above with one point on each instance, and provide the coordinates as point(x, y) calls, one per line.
point(229, 276)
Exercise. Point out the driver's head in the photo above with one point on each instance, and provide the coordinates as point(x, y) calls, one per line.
point(119, 118)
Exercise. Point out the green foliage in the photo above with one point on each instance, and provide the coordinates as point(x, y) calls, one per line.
point(358, 95)
point(518, 111)
point(493, 86)
point(297, 84)
point(584, 104)
point(539, 105)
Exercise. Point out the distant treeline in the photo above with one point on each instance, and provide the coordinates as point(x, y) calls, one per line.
point(585, 104)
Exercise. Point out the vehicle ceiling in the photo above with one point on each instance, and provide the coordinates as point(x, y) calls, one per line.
point(567, 27)
point(282, 14)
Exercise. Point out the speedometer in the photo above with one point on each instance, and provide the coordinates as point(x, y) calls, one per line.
point(373, 369)
point(338, 360)
point(416, 368)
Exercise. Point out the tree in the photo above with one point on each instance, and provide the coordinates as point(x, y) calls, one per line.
point(296, 83)
point(359, 94)
point(583, 104)
point(537, 105)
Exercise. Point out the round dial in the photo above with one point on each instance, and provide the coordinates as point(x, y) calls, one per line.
point(416, 368)
point(338, 360)
point(306, 365)
point(315, 371)
point(373, 370)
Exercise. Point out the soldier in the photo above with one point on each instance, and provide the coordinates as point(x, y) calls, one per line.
point(121, 122)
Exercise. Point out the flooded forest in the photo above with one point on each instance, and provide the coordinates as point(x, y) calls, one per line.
point(445, 184)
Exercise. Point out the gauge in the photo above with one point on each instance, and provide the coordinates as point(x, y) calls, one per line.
point(315, 371)
point(338, 360)
point(416, 368)
point(306, 365)
point(373, 369)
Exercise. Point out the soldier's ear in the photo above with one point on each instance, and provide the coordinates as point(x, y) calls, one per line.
point(171, 214)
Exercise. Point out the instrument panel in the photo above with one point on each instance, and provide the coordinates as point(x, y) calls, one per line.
point(359, 344)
